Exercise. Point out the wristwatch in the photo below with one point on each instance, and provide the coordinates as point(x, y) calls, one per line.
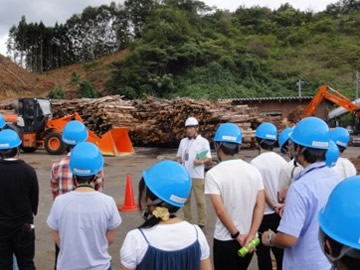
point(269, 239)
point(235, 235)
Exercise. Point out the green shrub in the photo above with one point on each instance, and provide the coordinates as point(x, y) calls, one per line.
point(56, 93)
point(86, 90)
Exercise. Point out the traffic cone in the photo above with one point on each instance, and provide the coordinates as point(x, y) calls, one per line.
point(129, 201)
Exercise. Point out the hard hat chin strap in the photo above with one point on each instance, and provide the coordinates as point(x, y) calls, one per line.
point(345, 250)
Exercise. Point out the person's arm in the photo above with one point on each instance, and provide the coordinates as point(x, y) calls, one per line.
point(54, 182)
point(202, 162)
point(179, 153)
point(284, 183)
point(269, 201)
point(124, 268)
point(222, 213)
point(110, 236)
point(205, 264)
point(292, 221)
point(258, 215)
point(35, 194)
point(280, 240)
point(55, 236)
point(225, 218)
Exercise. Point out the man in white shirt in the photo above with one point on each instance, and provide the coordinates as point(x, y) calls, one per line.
point(290, 169)
point(237, 194)
point(343, 166)
point(83, 221)
point(269, 164)
point(194, 153)
point(298, 232)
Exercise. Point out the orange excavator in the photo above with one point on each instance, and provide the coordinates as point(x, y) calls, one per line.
point(35, 124)
point(334, 96)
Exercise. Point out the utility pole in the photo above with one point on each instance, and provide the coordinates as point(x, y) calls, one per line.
point(300, 83)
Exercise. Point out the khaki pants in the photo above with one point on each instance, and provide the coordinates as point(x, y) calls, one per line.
point(198, 187)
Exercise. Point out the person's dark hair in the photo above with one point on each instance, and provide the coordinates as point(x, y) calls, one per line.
point(341, 148)
point(85, 179)
point(10, 153)
point(285, 148)
point(144, 194)
point(69, 148)
point(230, 149)
point(312, 155)
point(350, 262)
point(267, 145)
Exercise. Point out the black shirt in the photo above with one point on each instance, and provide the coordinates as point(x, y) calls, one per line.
point(19, 196)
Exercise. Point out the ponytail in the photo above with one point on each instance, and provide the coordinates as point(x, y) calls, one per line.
point(163, 211)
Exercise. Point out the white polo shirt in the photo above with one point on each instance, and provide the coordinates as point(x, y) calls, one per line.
point(238, 183)
point(345, 168)
point(191, 148)
point(269, 164)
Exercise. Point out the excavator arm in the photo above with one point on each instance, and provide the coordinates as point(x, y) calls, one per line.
point(330, 94)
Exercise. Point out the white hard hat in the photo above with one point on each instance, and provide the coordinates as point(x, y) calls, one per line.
point(191, 122)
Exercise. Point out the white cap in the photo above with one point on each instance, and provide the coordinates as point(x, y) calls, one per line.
point(191, 121)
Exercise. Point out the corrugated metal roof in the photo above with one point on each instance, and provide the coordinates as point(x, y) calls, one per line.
point(268, 99)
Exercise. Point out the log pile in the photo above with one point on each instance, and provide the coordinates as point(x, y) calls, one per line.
point(7, 106)
point(161, 122)
point(99, 115)
point(157, 122)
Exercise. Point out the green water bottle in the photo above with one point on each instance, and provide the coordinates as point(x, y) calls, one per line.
point(245, 250)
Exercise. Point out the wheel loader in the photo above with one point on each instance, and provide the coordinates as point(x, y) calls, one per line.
point(33, 120)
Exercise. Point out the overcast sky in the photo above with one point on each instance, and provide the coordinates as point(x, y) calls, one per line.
point(50, 11)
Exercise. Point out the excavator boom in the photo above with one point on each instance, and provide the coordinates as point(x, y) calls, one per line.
point(332, 95)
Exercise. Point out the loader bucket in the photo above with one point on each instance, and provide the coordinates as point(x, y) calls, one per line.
point(115, 142)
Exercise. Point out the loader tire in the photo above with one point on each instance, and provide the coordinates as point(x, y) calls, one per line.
point(54, 144)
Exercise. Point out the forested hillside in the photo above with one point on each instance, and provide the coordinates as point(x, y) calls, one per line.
point(184, 48)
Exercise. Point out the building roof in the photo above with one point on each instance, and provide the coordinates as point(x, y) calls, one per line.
point(268, 99)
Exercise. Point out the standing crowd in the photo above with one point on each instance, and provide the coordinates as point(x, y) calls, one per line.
point(303, 204)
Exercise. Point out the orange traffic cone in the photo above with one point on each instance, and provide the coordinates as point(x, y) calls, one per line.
point(129, 201)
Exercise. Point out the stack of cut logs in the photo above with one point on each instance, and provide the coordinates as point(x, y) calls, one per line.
point(100, 114)
point(157, 122)
point(161, 122)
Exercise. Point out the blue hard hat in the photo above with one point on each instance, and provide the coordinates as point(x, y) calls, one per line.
point(332, 154)
point(169, 181)
point(266, 131)
point(9, 139)
point(311, 132)
point(2, 121)
point(340, 218)
point(86, 159)
point(229, 133)
point(340, 136)
point(284, 136)
point(74, 132)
